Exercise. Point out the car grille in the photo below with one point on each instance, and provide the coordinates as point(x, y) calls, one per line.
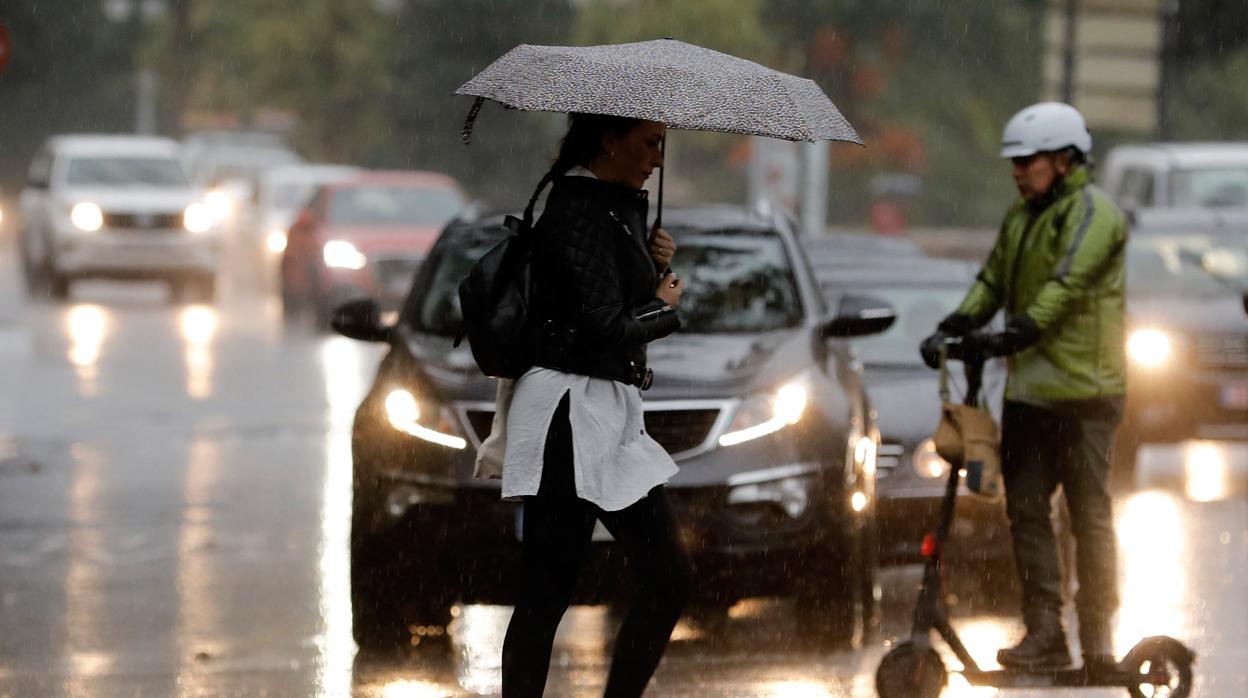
point(888, 459)
point(680, 430)
point(675, 430)
point(1222, 350)
point(142, 221)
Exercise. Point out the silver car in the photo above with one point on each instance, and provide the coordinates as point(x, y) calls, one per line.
point(116, 207)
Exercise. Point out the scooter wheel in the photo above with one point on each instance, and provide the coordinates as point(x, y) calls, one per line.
point(909, 672)
point(1160, 667)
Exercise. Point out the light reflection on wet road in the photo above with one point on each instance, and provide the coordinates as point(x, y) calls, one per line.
point(174, 521)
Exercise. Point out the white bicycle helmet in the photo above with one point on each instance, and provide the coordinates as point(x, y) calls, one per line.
point(1045, 127)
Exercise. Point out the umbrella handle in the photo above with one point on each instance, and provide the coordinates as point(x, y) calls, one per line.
point(658, 216)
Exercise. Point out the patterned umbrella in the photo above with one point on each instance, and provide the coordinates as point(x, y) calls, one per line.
point(679, 84)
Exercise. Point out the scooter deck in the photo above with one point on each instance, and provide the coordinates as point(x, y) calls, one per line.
point(1053, 678)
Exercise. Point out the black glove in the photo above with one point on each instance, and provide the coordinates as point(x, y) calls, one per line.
point(1020, 332)
point(952, 326)
point(929, 348)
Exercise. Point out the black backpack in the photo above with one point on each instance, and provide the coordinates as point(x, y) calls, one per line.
point(494, 299)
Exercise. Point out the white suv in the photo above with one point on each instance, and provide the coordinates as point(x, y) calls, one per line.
point(116, 207)
point(1178, 175)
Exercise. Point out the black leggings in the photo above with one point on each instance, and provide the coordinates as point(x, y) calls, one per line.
point(557, 530)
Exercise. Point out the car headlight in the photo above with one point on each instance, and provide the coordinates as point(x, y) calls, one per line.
point(341, 254)
point(86, 216)
point(404, 414)
point(276, 240)
point(197, 218)
point(219, 203)
point(927, 462)
point(765, 414)
point(1149, 347)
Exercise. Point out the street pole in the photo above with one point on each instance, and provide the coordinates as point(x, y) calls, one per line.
point(814, 188)
point(1068, 57)
point(145, 101)
point(1165, 79)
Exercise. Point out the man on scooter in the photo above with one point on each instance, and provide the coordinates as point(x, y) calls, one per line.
point(1057, 272)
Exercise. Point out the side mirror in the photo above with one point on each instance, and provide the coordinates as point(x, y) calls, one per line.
point(360, 319)
point(857, 316)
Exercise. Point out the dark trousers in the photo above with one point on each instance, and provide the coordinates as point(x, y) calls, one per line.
point(557, 530)
point(1041, 449)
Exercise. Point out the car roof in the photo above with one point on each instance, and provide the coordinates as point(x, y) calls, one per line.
point(850, 271)
point(415, 178)
point(1179, 221)
point(859, 244)
point(1184, 155)
point(700, 217)
point(113, 144)
point(313, 173)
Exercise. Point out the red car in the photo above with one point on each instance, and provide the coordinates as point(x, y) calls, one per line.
point(364, 237)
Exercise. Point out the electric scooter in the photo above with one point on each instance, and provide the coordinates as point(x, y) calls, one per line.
point(1156, 666)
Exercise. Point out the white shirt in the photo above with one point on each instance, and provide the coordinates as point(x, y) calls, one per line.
point(614, 461)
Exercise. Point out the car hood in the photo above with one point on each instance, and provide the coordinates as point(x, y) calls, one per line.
point(1192, 314)
point(725, 365)
point(907, 398)
point(374, 240)
point(134, 200)
point(685, 366)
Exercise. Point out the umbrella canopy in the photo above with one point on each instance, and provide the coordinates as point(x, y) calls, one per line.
point(672, 82)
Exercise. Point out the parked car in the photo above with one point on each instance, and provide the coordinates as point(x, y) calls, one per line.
point(1187, 342)
point(281, 193)
point(910, 477)
point(116, 207)
point(1177, 175)
point(757, 399)
point(829, 248)
point(364, 237)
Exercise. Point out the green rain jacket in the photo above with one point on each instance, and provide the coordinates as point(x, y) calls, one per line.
point(1060, 263)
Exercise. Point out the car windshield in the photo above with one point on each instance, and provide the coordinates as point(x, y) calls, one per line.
point(394, 205)
point(1222, 186)
point(919, 309)
point(436, 310)
point(735, 282)
point(1178, 267)
point(126, 172)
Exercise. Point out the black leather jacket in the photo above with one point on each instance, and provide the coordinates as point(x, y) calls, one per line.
point(594, 281)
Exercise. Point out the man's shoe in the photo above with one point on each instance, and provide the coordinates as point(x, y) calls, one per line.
point(1043, 648)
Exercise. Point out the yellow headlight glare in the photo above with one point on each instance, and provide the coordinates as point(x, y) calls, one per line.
point(1149, 347)
point(404, 413)
point(765, 414)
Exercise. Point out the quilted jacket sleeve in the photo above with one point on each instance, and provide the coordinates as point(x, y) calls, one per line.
point(595, 292)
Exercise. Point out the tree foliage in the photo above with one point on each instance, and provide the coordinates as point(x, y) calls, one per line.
point(70, 71)
point(929, 83)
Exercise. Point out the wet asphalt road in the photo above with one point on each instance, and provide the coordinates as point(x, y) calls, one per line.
point(174, 512)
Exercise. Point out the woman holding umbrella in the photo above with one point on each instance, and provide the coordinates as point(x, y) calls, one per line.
point(576, 448)
point(577, 451)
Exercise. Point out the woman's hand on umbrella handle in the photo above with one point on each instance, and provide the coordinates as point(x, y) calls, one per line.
point(662, 248)
point(669, 290)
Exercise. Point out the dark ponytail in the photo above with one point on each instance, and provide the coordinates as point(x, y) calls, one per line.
point(580, 145)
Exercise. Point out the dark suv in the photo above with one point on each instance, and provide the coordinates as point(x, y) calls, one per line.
point(1187, 342)
point(757, 399)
